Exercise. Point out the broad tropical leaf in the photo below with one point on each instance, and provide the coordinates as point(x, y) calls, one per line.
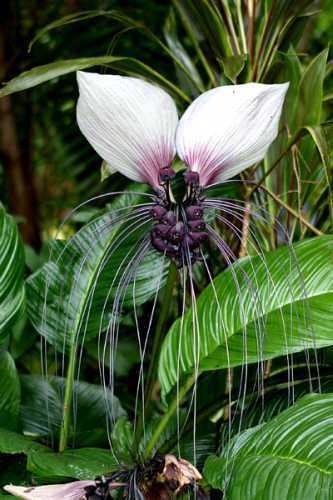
point(14, 443)
point(42, 407)
point(12, 294)
point(68, 296)
point(10, 392)
point(281, 304)
point(289, 457)
point(82, 463)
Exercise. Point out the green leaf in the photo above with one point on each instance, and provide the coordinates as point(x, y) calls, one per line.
point(42, 406)
point(310, 92)
point(322, 143)
point(289, 457)
point(10, 392)
point(123, 441)
point(128, 65)
point(286, 306)
point(106, 171)
point(12, 443)
point(71, 297)
point(205, 18)
point(233, 66)
point(69, 19)
point(180, 53)
point(12, 293)
point(82, 463)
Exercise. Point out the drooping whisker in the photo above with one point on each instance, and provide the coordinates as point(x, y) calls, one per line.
point(187, 258)
point(181, 331)
point(98, 231)
point(231, 260)
point(120, 238)
point(108, 225)
point(125, 233)
point(304, 316)
point(113, 327)
point(140, 384)
point(103, 196)
point(115, 244)
point(237, 231)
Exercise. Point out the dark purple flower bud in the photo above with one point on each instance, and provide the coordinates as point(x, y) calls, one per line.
point(194, 212)
point(166, 173)
point(190, 242)
point(196, 225)
point(177, 232)
point(161, 230)
point(169, 218)
point(158, 212)
point(172, 250)
point(158, 243)
point(191, 177)
point(198, 236)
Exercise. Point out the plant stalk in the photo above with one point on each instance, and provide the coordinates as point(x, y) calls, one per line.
point(159, 331)
point(158, 336)
point(67, 406)
point(167, 416)
point(293, 212)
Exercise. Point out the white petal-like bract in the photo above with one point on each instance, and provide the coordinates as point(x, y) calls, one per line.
point(69, 491)
point(229, 128)
point(129, 122)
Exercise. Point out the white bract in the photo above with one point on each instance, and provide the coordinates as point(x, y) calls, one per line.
point(69, 491)
point(133, 125)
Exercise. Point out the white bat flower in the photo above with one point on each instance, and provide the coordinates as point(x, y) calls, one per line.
point(133, 125)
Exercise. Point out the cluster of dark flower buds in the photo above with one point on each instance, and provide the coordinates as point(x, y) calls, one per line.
point(179, 229)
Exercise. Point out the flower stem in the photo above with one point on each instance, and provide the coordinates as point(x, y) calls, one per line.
point(167, 416)
point(67, 406)
point(159, 332)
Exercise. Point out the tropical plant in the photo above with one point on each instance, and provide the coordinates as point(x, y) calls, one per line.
point(180, 321)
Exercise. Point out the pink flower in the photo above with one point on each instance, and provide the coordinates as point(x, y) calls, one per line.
point(133, 125)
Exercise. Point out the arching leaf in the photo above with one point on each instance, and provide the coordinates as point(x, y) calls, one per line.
point(10, 392)
point(281, 304)
point(289, 457)
point(72, 296)
point(12, 295)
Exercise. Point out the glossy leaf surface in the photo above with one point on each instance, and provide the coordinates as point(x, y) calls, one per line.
point(265, 308)
point(289, 457)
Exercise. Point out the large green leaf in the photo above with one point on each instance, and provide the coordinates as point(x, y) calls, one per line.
point(14, 443)
point(12, 295)
point(310, 93)
point(46, 72)
point(281, 304)
point(42, 407)
point(9, 392)
point(69, 294)
point(290, 457)
point(82, 463)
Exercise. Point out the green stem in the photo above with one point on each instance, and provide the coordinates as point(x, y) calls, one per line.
point(158, 337)
point(159, 331)
point(290, 144)
point(67, 406)
point(293, 212)
point(167, 416)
